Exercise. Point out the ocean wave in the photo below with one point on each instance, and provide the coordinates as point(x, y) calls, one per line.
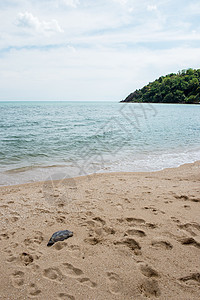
point(93, 137)
point(30, 168)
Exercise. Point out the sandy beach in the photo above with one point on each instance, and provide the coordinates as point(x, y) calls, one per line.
point(136, 236)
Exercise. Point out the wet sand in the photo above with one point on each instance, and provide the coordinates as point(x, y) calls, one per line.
point(136, 236)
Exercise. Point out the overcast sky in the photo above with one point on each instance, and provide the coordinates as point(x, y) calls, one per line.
point(93, 49)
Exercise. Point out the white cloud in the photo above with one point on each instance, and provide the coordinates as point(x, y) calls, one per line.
point(72, 3)
point(122, 2)
point(151, 7)
point(27, 20)
point(108, 49)
point(119, 72)
point(87, 74)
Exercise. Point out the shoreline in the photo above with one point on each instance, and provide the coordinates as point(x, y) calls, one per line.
point(152, 103)
point(15, 172)
point(136, 236)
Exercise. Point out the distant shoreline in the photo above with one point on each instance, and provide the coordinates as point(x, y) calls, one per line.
point(123, 101)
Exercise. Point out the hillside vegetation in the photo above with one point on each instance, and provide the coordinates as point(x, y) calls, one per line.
point(183, 87)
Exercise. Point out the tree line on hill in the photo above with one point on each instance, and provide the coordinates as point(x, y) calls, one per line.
point(183, 87)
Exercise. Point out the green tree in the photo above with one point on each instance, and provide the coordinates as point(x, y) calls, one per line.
point(183, 87)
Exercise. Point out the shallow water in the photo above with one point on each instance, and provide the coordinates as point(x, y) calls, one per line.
point(39, 140)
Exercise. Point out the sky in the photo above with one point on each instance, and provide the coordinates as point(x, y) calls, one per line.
point(93, 50)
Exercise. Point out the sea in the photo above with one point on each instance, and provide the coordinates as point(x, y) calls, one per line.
point(41, 140)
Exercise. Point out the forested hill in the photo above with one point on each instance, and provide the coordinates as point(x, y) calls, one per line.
point(183, 87)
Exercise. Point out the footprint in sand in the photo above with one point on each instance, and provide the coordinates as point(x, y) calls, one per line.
point(150, 287)
point(75, 251)
point(96, 227)
point(71, 271)
point(11, 256)
point(131, 221)
point(14, 219)
point(148, 271)
point(100, 220)
point(190, 241)
point(65, 296)
point(151, 225)
point(86, 281)
point(35, 268)
point(59, 246)
point(60, 219)
point(136, 232)
point(17, 278)
point(135, 220)
point(4, 236)
point(130, 243)
point(14, 245)
point(109, 230)
point(114, 283)
point(26, 258)
point(159, 243)
point(33, 290)
point(191, 228)
point(89, 223)
point(53, 274)
point(174, 219)
point(194, 277)
point(93, 240)
point(36, 239)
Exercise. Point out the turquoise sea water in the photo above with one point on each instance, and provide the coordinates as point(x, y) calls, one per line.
point(39, 140)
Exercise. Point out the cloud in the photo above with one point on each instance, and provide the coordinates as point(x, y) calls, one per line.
point(72, 3)
point(151, 7)
point(122, 2)
point(87, 75)
point(109, 47)
point(27, 20)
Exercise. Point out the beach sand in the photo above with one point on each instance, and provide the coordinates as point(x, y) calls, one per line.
point(136, 236)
